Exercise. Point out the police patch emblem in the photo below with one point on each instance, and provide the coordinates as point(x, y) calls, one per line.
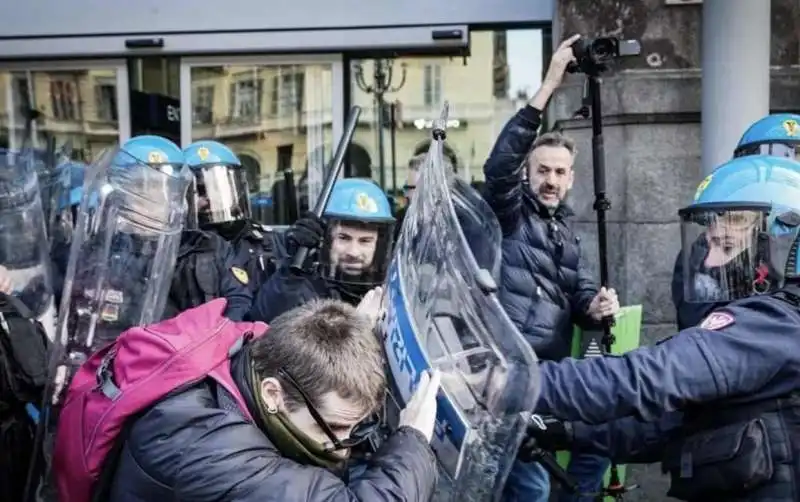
point(240, 275)
point(702, 186)
point(717, 321)
point(202, 152)
point(155, 157)
point(791, 127)
point(110, 313)
point(366, 203)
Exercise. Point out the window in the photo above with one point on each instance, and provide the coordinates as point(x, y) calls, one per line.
point(203, 104)
point(22, 95)
point(287, 93)
point(432, 92)
point(105, 95)
point(64, 99)
point(245, 103)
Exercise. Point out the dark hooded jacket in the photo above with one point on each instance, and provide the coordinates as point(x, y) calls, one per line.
point(196, 446)
point(544, 286)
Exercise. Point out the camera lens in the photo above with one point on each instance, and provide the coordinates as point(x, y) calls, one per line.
point(603, 48)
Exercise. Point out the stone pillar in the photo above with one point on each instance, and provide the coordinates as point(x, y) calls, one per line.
point(736, 73)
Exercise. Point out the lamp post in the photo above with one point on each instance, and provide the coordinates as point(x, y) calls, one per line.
point(381, 84)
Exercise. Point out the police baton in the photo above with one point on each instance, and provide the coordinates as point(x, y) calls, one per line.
point(335, 168)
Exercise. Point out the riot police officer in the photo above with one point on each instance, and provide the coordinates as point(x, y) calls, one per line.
point(223, 206)
point(354, 244)
point(26, 317)
point(777, 135)
point(126, 248)
point(733, 382)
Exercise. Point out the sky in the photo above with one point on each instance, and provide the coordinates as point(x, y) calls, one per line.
point(524, 60)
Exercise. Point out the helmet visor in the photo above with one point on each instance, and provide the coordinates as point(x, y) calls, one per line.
point(222, 194)
point(788, 150)
point(722, 255)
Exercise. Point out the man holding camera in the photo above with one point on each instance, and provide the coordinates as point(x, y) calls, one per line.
point(545, 287)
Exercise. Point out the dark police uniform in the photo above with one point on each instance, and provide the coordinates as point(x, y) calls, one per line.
point(259, 250)
point(286, 290)
point(735, 378)
point(207, 268)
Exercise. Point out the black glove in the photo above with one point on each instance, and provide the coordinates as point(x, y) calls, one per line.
point(545, 434)
point(308, 232)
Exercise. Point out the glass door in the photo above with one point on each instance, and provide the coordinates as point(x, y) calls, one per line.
point(76, 106)
point(282, 116)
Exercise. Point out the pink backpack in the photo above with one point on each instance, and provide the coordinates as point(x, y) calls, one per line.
point(140, 368)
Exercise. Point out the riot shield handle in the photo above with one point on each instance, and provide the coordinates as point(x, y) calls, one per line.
point(334, 169)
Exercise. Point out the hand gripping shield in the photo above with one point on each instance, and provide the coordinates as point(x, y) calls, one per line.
point(443, 312)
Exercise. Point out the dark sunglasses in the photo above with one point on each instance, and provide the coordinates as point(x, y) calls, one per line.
point(360, 434)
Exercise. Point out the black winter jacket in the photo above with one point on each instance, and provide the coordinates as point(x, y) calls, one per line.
point(544, 284)
point(191, 448)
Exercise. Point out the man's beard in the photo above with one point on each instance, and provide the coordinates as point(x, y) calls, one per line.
point(549, 196)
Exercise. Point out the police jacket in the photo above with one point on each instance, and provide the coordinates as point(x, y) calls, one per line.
point(544, 285)
point(260, 250)
point(286, 290)
point(189, 448)
point(734, 379)
point(206, 268)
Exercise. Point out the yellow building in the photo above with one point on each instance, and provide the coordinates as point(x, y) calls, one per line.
point(274, 116)
point(76, 108)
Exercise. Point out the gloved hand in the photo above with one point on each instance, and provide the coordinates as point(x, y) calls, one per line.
point(308, 231)
point(545, 433)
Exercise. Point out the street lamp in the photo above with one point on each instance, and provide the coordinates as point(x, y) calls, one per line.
point(382, 77)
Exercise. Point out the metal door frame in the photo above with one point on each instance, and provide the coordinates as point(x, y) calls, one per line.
point(123, 84)
point(337, 92)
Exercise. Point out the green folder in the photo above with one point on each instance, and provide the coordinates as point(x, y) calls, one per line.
point(627, 331)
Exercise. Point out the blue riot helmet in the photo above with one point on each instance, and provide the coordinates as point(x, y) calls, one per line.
point(151, 166)
point(357, 250)
point(777, 135)
point(744, 224)
point(222, 192)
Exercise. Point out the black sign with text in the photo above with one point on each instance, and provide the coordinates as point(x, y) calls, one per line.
point(155, 114)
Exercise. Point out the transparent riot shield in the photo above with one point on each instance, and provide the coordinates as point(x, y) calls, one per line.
point(56, 176)
point(122, 258)
point(443, 312)
point(123, 252)
point(24, 253)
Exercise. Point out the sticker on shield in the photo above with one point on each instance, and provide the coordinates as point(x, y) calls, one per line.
point(717, 321)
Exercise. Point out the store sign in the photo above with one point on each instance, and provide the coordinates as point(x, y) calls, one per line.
point(428, 124)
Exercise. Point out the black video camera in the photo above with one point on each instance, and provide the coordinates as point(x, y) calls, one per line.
point(593, 55)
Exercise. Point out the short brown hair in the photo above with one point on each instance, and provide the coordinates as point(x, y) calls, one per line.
point(555, 139)
point(325, 345)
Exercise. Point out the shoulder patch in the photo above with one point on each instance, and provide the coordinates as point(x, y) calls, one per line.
point(240, 275)
point(717, 320)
